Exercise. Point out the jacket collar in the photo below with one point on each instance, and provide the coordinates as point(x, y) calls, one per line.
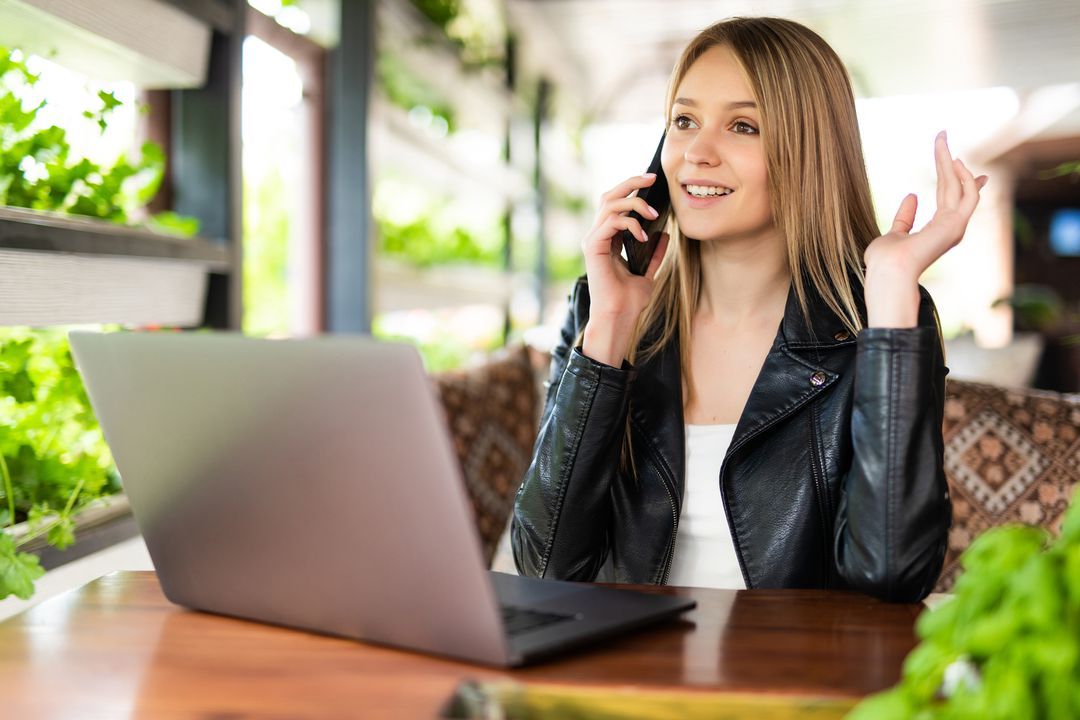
point(792, 374)
point(820, 327)
point(790, 377)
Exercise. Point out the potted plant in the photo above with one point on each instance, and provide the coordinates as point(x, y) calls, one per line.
point(1007, 644)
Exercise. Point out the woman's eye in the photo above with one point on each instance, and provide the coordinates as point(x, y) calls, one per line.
point(682, 122)
point(744, 128)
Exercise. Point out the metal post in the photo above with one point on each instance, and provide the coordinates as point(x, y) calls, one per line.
point(540, 112)
point(207, 164)
point(349, 225)
point(508, 212)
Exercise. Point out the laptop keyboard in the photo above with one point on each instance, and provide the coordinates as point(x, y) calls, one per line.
point(518, 620)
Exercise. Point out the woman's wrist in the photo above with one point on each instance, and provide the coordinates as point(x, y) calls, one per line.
point(892, 299)
point(607, 341)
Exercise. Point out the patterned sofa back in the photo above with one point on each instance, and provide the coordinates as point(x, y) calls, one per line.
point(491, 410)
point(1011, 456)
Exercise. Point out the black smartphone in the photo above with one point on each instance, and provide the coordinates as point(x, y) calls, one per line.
point(638, 253)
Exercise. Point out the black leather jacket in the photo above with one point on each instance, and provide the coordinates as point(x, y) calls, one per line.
point(834, 477)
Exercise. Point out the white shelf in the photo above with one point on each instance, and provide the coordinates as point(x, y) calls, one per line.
point(397, 143)
point(403, 287)
point(147, 42)
point(61, 270)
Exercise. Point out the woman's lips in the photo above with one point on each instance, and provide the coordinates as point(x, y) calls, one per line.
point(700, 203)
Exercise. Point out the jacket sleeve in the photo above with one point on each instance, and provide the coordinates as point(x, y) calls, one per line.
point(563, 508)
point(894, 513)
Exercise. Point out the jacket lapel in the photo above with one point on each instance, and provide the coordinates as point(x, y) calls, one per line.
point(657, 411)
point(791, 375)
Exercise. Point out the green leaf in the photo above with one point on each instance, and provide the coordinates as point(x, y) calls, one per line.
point(895, 704)
point(18, 571)
point(62, 534)
point(1070, 526)
point(109, 100)
point(37, 515)
point(174, 223)
point(19, 386)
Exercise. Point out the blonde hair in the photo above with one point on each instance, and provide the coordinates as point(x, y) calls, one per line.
point(816, 178)
point(817, 183)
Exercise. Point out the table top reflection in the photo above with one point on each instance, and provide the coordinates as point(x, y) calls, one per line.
point(117, 648)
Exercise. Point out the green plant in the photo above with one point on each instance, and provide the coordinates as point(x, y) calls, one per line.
point(406, 90)
point(39, 171)
point(1040, 308)
point(53, 457)
point(479, 40)
point(1007, 645)
point(266, 252)
point(1070, 168)
point(424, 241)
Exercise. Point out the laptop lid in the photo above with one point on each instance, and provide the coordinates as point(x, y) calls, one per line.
point(307, 483)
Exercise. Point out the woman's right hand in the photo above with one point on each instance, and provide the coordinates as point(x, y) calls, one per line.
point(617, 296)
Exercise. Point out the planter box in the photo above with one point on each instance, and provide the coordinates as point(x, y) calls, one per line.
point(399, 286)
point(99, 525)
point(62, 270)
point(148, 42)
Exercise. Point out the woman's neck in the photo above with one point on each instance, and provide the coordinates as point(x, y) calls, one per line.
point(743, 280)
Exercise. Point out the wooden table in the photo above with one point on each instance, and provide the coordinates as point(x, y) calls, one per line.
point(116, 648)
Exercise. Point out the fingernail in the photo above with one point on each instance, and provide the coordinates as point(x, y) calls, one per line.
point(648, 175)
point(943, 136)
point(644, 236)
point(652, 212)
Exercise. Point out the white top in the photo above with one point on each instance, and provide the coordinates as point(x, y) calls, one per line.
point(704, 553)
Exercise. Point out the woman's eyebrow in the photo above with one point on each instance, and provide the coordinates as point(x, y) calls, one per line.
point(730, 106)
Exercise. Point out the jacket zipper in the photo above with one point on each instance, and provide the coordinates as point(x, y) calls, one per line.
point(731, 525)
point(819, 489)
point(674, 534)
point(669, 488)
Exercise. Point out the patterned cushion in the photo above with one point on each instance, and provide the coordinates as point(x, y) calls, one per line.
point(1011, 456)
point(491, 411)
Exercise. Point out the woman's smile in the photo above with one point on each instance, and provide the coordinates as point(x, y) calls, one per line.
point(701, 195)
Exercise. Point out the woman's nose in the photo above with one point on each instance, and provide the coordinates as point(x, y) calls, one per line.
point(703, 149)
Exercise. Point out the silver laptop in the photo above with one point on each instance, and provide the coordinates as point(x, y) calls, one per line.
point(312, 484)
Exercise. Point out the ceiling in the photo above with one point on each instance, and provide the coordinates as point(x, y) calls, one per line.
point(612, 58)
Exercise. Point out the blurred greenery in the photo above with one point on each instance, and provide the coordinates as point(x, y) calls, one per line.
point(1006, 646)
point(1037, 308)
point(479, 41)
point(53, 456)
point(39, 171)
point(444, 350)
point(425, 241)
point(1071, 167)
point(266, 253)
point(406, 90)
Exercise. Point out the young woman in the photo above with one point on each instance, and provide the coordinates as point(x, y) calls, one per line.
point(763, 407)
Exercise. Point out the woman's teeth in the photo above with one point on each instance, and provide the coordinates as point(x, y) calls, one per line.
point(707, 190)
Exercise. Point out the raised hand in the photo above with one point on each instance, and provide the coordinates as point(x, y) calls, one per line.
point(895, 260)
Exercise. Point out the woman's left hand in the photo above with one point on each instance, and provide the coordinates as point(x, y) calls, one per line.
point(895, 260)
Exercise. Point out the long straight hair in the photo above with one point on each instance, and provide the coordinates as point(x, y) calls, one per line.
point(816, 178)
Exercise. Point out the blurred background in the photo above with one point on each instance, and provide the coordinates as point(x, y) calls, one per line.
point(426, 169)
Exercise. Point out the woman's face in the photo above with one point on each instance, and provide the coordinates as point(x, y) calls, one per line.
point(714, 146)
